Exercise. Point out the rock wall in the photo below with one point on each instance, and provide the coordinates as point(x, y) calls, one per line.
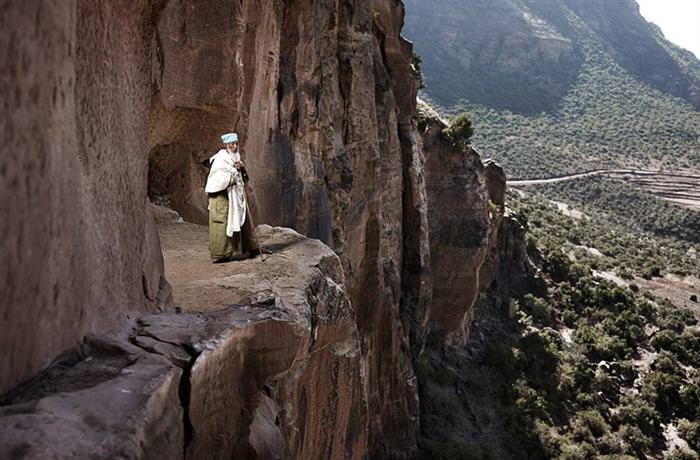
point(131, 99)
point(461, 222)
point(322, 95)
point(79, 251)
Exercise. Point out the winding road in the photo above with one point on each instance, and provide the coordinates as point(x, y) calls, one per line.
point(678, 187)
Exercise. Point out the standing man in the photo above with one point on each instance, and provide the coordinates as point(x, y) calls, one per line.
point(230, 230)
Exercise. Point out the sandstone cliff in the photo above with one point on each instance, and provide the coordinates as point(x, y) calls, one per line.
point(323, 97)
point(114, 100)
point(80, 253)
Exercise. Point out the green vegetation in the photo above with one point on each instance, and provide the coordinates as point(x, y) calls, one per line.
point(584, 367)
point(588, 395)
point(417, 63)
point(607, 119)
point(525, 55)
point(607, 102)
point(589, 369)
point(629, 207)
point(608, 241)
point(601, 400)
point(459, 131)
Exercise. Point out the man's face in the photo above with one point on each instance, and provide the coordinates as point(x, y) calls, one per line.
point(232, 146)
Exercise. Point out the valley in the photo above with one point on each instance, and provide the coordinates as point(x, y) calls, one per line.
point(595, 117)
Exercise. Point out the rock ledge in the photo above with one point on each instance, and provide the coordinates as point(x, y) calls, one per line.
point(249, 380)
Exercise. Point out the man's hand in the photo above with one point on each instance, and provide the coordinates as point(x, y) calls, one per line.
point(238, 165)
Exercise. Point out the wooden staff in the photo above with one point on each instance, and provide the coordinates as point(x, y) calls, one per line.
point(255, 231)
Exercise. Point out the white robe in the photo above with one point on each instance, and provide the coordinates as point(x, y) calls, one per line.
point(223, 175)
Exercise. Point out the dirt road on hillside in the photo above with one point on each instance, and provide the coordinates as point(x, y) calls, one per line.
point(680, 187)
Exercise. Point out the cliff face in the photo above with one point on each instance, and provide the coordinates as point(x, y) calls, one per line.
point(322, 96)
point(278, 379)
point(458, 214)
point(131, 100)
point(80, 253)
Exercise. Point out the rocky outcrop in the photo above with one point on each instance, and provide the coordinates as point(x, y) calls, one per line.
point(468, 379)
point(323, 98)
point(279, 379)
point(110, 400)
point(460, 224)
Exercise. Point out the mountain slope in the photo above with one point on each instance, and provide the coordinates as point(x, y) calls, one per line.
point(559, 86)
point(530, 51)
point(590, 366)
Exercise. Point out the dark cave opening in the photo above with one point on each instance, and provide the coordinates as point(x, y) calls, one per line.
point(180, 142)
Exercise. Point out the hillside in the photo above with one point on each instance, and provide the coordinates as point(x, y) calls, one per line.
point(590, 366)
point(560, 86)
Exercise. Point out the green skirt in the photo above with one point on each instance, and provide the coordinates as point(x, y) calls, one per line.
point(221, 245)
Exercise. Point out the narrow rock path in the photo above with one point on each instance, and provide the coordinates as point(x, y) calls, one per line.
point(200, 285)
point(692, 179)
point(566, 178)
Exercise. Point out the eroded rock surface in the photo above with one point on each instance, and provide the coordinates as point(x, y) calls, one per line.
point(127, 99)
point(277, 379)
point(111, 400)
point(322, 96)
point(79, 253)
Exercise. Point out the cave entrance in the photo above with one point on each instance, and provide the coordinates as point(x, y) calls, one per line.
point(176, 181)
point(180, 142)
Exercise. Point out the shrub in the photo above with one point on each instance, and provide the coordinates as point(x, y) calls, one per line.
point(652, 271)
point(690, 431)
point(676, 319)
point(557, 266)
point(588, 425)
point(529, 403)
point(417, 62)
point(662, 389)
point(460, 131)
point(605, 384)
point(664, 340)
point(576, 450)
point(636, 442)
point(599, 345)
point(539, 308)
point(637, 412)
point(690, 395)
